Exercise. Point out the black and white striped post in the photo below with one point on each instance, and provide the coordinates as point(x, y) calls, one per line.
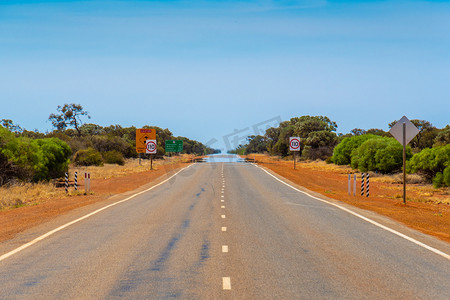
point(367, 185)
point(76, 181)
point(66, 183)
point(362, 184)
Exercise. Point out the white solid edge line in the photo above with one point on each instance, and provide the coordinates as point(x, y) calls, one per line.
point(226, 283)
point(46, 235)
point(445, 255)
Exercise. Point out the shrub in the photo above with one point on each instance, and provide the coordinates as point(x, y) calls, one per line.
point(342, 154)
point(438, 180)
point(110, 143)
point(51, 158)
point(88, 157)
point(446, 176)
point(113, 157)
point(379, 154)
point(430, 161)
point(26, 159)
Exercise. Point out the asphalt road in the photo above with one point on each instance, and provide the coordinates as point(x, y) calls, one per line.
point(223, 231)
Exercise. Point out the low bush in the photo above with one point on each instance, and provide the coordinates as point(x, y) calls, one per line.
point(446, 176)
point(382, 154)
point(438, 180)
point(88, 157)
point(113, 157)
point(431, 161)
point(31, 160)
point(342, 153)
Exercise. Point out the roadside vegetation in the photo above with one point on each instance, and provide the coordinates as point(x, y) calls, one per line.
point(374, 150)
point(35, 161)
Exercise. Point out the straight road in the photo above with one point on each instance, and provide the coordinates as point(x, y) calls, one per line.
point(224, 230)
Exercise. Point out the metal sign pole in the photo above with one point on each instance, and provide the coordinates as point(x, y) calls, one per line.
point(404, 163)
point(139, 158)
point(294, 159)
point(151, 161)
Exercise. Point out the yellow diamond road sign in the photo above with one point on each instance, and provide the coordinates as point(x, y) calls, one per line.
point(143, 135)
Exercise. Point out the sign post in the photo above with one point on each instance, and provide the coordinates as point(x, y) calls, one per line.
point(151, 148)
point(294, 145)
point(143, 135)
point(404, 131)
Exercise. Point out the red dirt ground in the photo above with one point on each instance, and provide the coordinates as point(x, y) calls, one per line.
point(429, 218)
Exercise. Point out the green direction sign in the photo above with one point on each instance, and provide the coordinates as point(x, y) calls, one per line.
point(174, 146)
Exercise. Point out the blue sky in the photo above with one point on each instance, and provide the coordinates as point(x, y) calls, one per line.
point(207, 68)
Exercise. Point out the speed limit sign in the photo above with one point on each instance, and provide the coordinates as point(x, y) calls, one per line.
point(294, 143)
point(150, 146)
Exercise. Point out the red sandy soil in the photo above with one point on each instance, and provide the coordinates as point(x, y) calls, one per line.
point(427, 217)
point(13, 221)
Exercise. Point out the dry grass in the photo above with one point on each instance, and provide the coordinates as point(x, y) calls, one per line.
point(25, 194)
point(419, 190)
point(28, 194)
point(131, 166)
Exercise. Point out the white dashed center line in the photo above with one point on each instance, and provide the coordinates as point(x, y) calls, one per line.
point(223, 216)
point(224, 229)
point(226, 282)
point(224, 248)
point(222, 206)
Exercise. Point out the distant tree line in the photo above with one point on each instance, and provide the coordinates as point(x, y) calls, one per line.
point(375, 150)
point(35, 156)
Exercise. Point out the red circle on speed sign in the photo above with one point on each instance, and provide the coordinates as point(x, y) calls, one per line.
point(151, 146)
point(295, 144)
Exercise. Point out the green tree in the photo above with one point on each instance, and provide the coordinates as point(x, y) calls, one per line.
point(430, 161)
point(9, 124)
point(342, 153)
point(358, 131)
point(51, 159)
point(281, 147)
point(28, 159)
point(317, 135)
point(380, 132)
point(379, 154)
point(320, 144)
point(70, 115)
point(425, 137)
point(443, 137)
point(271, 136)
point(256, 144)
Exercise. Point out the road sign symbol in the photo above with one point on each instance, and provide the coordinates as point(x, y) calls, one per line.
point(174, 146)
point(294, 143)
point(142, 135)
point(410, 130)
point(150, 146)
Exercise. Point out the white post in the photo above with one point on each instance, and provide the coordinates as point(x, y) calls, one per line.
point(349, 184)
